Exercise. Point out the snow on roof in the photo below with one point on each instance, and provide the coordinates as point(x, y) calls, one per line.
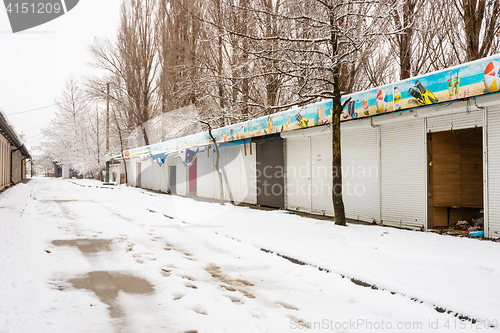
point(9, 132)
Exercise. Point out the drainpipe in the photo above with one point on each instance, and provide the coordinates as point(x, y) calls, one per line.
point(379, 170)
point(12, 169)
point(10, 165)
point(485, 167)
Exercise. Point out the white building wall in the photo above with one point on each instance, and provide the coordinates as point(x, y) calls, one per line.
point(147, 174)
point(65, 172)
point(403, 170)
point(206, 175)
point(132, 172)
point(238, 175)
point(164, 177)
point(181, 173)
point(232, 179)
point(248, 174)
point(493, 171)
point(155, 175)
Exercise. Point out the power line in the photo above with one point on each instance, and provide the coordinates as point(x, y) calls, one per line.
point(45, 107)
point(34, 138)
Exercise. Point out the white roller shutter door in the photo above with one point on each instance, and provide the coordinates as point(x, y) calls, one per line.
point(181, 175)
point(321, 174)
point(156, 175)
point(403, 174)
point(222, 162)
point(171, 160)
point(360, 173)
point(455, 121)
point(164, 177)
point(131, 172)
point(238, 174)
point(142, 174)
point(231, 176)
point(493, 171)
point(147, 174)
point(248, 179)
point(206, 175)
point(298, 174)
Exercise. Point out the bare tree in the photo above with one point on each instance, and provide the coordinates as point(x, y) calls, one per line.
point(468, 30)
point(133, 58)
point(75, 135)
point(480, 20)
point(419, 30)
point(321, 38)
point(178, 33)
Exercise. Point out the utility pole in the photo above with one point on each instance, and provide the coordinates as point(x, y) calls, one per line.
point(107, 132)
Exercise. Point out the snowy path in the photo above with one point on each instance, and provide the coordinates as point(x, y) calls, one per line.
point(200, 280)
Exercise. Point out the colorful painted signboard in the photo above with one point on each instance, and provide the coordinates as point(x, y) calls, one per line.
point(472, 79)
point(304, 117)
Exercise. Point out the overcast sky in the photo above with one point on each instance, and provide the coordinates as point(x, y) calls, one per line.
point(35, 64)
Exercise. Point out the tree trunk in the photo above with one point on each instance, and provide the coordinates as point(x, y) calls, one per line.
point(338, 202)
point(406, 39)
point(221, 188)
point(145, 135)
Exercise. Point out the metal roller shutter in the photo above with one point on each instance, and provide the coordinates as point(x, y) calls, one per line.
point(493, 171)
point(231, 176)
point(455, 121)
point(298, 173)
point(164, 177)
point(143, 175)
point(146, 174)
point(222, 162)
point(156, 176)
point(321, 175)
point(171, 173)
point(248, 175)
point(403, 171)
point(181, 178)
point(206, 175)
point(132, 172)
point(360, 173)
point(270, 175)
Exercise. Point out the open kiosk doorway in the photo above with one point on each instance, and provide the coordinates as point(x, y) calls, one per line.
point(455, 178)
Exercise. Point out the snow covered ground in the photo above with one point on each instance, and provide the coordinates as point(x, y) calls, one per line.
point(76, 256)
